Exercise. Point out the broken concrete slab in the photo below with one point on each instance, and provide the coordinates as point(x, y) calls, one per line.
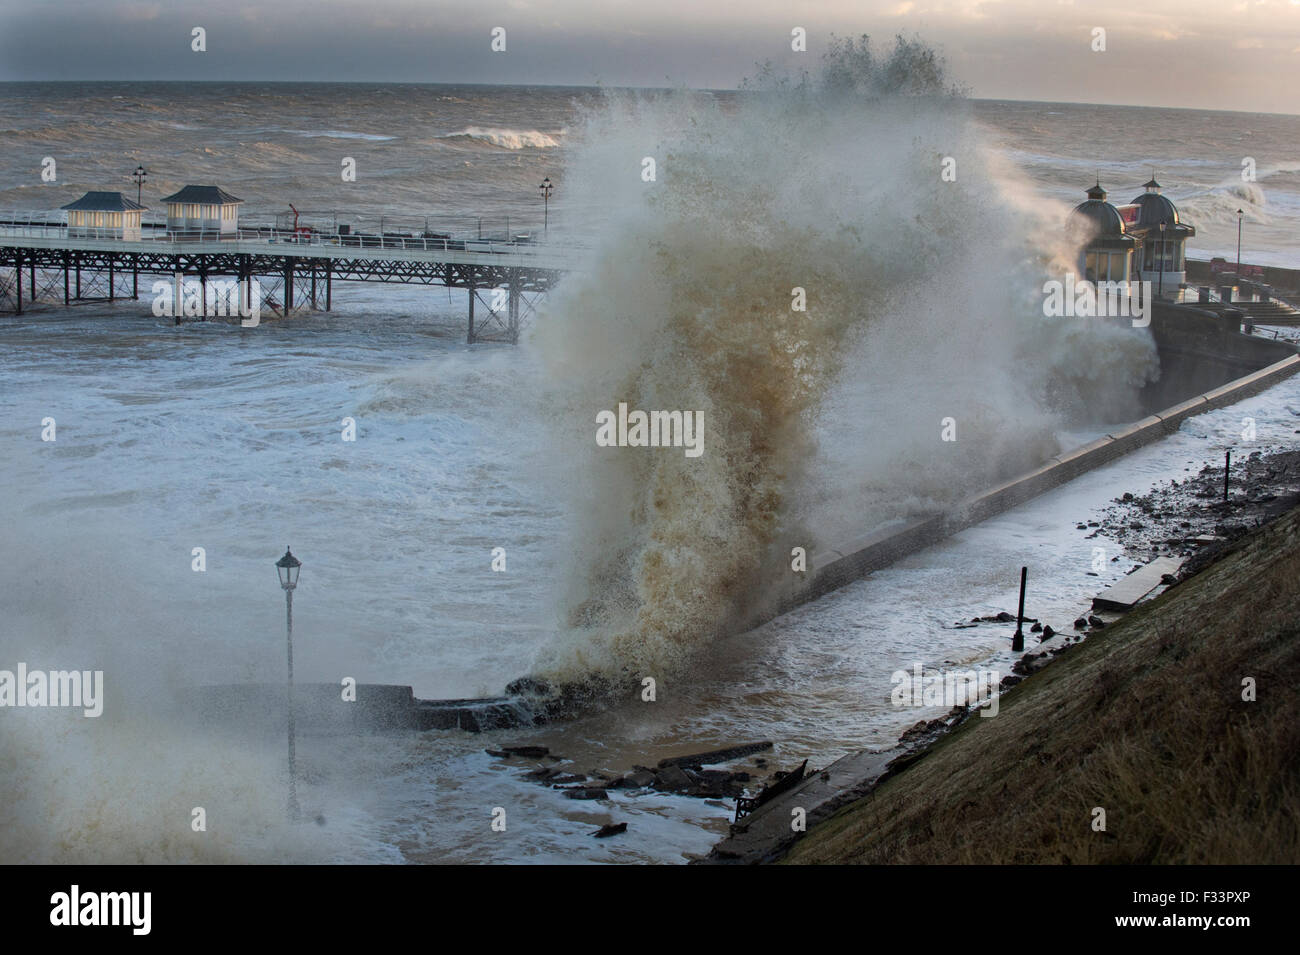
point(1125, 593)
point(696, 760)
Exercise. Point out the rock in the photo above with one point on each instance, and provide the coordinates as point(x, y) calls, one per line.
point(1031, 663)
point(1036, 628)
point(673, 778)
point(637, 779)
point(499, 754)
point(1004, 617)
point(613, 829)
point(1010, 681)
point(1080, 624)
point(1096, 621)
point(542, 772)
point(564, 779)
point(1127, 496)
point(1048, 632)
point(1168, 579)
point(586, 792)
point(532, 752)
point(917, 729)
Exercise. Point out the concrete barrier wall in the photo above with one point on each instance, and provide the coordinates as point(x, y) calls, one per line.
point(835, 567)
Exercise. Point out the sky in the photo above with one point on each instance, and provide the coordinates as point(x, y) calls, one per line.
point(1207, 54)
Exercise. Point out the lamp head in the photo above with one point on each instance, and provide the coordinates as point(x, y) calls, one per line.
point(288, 567)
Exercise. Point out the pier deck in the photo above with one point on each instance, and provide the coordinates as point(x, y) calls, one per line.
point(295, 269)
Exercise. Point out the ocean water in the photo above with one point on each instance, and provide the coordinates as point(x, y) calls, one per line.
point(230, 439)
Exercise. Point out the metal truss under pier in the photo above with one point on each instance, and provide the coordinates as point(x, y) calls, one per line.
point(506, 281)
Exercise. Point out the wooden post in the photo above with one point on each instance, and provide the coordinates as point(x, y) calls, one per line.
point(1018, 641)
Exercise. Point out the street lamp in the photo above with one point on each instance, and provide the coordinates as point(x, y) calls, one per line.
point(1239, 215)
point(288, 567)
point(1161, 291)
point(546, 188)
point(138, 176)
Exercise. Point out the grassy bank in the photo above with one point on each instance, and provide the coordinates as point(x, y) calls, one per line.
point(1144, 719)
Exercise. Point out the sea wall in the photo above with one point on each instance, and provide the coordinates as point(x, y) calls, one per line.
point(1205, 364)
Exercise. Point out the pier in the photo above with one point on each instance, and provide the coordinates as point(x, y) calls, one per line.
point(504, 276)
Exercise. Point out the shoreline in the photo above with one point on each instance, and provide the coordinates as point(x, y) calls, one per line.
point(1268, 489)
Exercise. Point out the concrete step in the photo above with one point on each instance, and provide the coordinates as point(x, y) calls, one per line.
point(1125, 593)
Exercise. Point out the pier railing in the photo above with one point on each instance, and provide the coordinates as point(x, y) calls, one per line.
point(54, 226)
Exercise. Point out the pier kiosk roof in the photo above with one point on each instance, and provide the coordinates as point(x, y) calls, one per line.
point(1147, 211)
point(1099, 224)
point(104, 202)
point(203, 195)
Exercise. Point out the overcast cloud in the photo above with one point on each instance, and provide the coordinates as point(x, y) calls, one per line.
point(1213, 54)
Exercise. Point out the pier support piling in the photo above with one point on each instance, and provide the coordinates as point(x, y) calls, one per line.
point(472, 293)
point(18, 281)
point(514, 308)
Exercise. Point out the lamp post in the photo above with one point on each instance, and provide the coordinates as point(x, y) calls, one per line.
point(288, 567)
point(139, 176)
point(546, 188)
point(1239, 215)
point(1161, 291)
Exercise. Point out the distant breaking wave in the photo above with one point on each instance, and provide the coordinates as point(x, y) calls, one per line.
point(505, 138)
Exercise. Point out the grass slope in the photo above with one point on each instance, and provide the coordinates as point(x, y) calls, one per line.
point(1144, 719)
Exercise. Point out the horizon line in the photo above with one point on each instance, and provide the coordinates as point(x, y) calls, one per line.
point(601, 86)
